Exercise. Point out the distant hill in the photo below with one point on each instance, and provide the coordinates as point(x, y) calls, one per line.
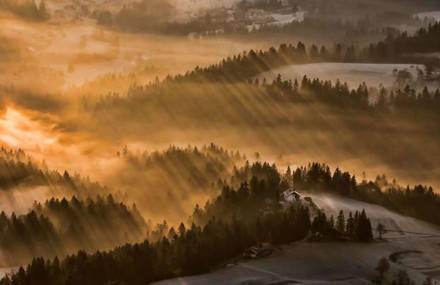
point(17, 170)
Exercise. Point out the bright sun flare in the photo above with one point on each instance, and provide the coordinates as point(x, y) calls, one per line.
point(17, 130)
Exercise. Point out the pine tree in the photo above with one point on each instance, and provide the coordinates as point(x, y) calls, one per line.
point(381, 230)
point(340, 223)
point(350, 227)
point(382, 267)
point(363, 229)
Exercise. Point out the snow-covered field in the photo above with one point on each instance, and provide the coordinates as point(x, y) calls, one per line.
point(416, 243)
point(430, 15)
point(352, 73)
point(284, 19)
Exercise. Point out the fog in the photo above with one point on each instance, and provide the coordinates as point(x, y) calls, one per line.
point(374, 75)
point(314, 263)
point(87, 91)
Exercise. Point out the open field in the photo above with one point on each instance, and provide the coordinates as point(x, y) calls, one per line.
point(354, 74)
point(435, 15)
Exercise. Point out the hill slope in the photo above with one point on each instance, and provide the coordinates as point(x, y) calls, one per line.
point(411, 245)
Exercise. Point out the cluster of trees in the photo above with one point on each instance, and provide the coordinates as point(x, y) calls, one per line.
point(237, 219)
point(200, 167)
point(94, 223)
point(255, 202)
point(28, 9)
point(357, 227)
point(246, 110)
point(182, 252)
point(425, 40)
point(191, 251)
point(18, 169)
point(419, 201)
point(247, 65)
point(409, 99)
point(318, 177)
point(307, 90)
point(174, 176)
point(339, 94)
point(397, 47)
point(59, 227)
point(262, 191)
point(26, 236)
point(233, 107)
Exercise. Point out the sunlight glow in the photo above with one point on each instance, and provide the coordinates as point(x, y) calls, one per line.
point(17, 130)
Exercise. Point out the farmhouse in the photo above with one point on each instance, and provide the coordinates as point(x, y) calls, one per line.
point(290, 196)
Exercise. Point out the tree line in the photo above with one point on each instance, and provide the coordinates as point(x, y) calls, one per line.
point(220, 232)
point(425, 40)
point(18, 169)
point(199, 166)
point(419, 201)
point(60, 227)
point(305, 91)
point(397, 47)
point(173, 176)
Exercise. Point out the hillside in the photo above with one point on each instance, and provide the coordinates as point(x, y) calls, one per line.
point(414, 243)
point(218, 142)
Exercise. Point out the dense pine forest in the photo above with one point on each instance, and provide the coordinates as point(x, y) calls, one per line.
point(219, 142)
point(230, 98)
point(198, 167)
point(178, 176)
point(397, 47)
point(19, 170)
point(371, 116)
point(419, 201)
point(243, 215)
point(60, 227)
point(220, 232)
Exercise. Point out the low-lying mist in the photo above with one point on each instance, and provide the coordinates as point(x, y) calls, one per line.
point(240, 116)
point(128, 126)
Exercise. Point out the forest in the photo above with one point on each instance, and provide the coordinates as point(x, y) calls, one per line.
point(219, 142)
point(19, 170)
point(170, 251)
point(397, 47)
point(60, 227)
point(178, 176)
point(220, 232)
point(419, 201)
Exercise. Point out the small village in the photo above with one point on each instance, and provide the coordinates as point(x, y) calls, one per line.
point(246, 16)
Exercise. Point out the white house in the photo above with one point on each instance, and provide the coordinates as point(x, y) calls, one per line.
point(290, 196)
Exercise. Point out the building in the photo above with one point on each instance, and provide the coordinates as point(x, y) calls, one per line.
point(290, 196)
